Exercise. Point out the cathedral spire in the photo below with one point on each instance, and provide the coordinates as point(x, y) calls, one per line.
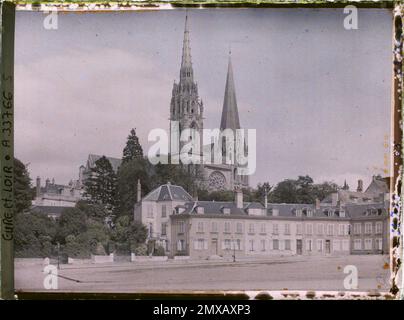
point(186, 61)
point(230, 119)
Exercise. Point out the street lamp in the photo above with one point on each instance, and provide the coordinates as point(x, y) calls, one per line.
point(234, 248)
point(58, 248)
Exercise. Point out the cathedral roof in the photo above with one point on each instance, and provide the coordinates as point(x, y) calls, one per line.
point(230, 118)
point(168, 192)
point(92, 158)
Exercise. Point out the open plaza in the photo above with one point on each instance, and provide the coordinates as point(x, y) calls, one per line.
point(275, 273)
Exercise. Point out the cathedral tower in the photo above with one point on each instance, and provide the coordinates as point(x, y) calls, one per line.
point(186, 108)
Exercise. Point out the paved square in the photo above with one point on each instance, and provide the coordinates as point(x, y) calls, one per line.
point(291, 273)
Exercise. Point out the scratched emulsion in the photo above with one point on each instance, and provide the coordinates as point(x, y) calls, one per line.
point(396, 214)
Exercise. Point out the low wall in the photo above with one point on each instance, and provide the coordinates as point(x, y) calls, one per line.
point(30, 261)
point(102, 259)
point(181, 257)
point(122, 258)
point(78, 261)
point(135, 258)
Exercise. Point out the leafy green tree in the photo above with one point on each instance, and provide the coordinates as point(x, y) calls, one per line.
point(128, 234)
point(284, 192)
point(128, 175)
point(33, 235)
point(72, 222)
point(187, 177)
point(23, 194)
point(205, 195)
point(100, 186)
point(82, 230)
point(77, 246)
point(133, 150)
point(305, 189)
point(301, 190)
point(94, 212)
point(324, 189)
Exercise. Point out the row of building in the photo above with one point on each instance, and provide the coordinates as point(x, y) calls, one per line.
point(346, 222)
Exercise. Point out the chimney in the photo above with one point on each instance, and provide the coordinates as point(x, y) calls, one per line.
point(53, 180)
point(334, 198)
point(317, 204)
point(239, 198)
point(360, 186)
point(38, 186)
point(139, 191)
point(47, 181)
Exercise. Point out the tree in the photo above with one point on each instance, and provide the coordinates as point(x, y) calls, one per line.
point(284, 192)
point(100, 186)
point(33, 235)
point(23, 194)
point(187, 177)
point(305, 189)
point(301, 190)
point(94, 212)
point(82, 230)
point(72, 222)
point(324, 189)
point(126, 188)
point(133, 150)
point(224, 195)
point(128, 234)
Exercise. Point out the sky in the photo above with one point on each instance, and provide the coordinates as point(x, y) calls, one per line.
point(317, 94)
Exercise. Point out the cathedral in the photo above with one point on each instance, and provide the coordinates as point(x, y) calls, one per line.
point(187, 109)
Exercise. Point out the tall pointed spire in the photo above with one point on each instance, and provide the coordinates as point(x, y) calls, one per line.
point(186, 49)
point(186, 61)
point(230, 118)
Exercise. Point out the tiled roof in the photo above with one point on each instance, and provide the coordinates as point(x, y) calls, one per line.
point(365, 210)
point(346, 196)
point(168, 192)
point(214, 207)
point(287, 209)
point(378, 185)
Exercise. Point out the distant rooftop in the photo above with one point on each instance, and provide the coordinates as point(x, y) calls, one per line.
point(168, 192)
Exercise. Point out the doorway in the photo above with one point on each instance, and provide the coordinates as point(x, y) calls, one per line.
point(214, 246)
point(299, 246)
point(327, 246)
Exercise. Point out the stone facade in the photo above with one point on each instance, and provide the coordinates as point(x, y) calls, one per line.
point(53, 198)
point(205, 229)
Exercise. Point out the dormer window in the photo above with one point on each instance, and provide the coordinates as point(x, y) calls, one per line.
point(226, 210)
point(200, 210)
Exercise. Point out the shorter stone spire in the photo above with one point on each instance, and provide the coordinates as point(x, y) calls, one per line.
point(230, 118)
